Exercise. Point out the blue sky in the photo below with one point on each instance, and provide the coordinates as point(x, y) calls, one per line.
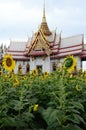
point(20, 18)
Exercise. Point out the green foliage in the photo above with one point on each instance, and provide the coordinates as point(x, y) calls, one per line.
point(61, 100)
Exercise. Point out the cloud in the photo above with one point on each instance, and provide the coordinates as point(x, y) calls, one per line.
point(14, 12)
point(16, 20)
point(19, 18)
point(70, 19)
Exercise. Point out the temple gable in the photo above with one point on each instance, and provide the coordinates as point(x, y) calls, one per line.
point(39, 44)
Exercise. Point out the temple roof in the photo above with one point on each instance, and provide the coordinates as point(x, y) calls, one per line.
point(70, 46)
point(73, 45)
point(17, 50)
point(39, 43)
point(84, 52)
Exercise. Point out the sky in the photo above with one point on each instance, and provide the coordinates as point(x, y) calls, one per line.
point(19, 19)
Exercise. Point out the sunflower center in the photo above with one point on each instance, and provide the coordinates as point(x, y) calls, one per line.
point(34, 72)
point(68, 62)
point(9, 62)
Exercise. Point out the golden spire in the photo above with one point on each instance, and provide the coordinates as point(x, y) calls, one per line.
point(44, 18)
point(44, 26)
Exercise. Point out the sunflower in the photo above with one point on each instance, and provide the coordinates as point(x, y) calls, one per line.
point(35, 72)
point(0, 72)
point(78, 88)
point(35, 107)
point(16, 82)
point(20, 71)
point(46, 74)
point(8, 63)
point(70, 63)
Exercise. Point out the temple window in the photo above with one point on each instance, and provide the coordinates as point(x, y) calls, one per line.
point(27, 68)
point(20, 69)
point(54, 67)
point(39, 68)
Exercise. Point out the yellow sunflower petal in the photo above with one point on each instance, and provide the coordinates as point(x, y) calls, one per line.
point(35, 107)
point(8, 63)
point(70, 63)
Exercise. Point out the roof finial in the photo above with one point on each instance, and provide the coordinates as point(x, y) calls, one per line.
point(44, 9)
point(44, 26)
point(44, 18)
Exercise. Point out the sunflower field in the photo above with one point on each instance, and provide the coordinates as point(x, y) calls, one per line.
point(55, 101)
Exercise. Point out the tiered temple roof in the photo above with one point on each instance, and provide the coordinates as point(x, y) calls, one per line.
point(17, 49)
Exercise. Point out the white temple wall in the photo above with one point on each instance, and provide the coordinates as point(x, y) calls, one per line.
point(16, 68)
point(60, 61)
point(23, 64)
point(32, 64)
point(39, 61)
point(46, 64)
point(78, 62)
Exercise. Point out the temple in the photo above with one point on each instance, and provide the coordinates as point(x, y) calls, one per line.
point(46, 49)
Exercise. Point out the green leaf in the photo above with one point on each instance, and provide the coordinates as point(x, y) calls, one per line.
point(77, 119)
point(78, 105)
point(8, 121)
point(46, 113)
point(54, 115)
point(68, 127)
point(71, 127)
point(27, 116)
